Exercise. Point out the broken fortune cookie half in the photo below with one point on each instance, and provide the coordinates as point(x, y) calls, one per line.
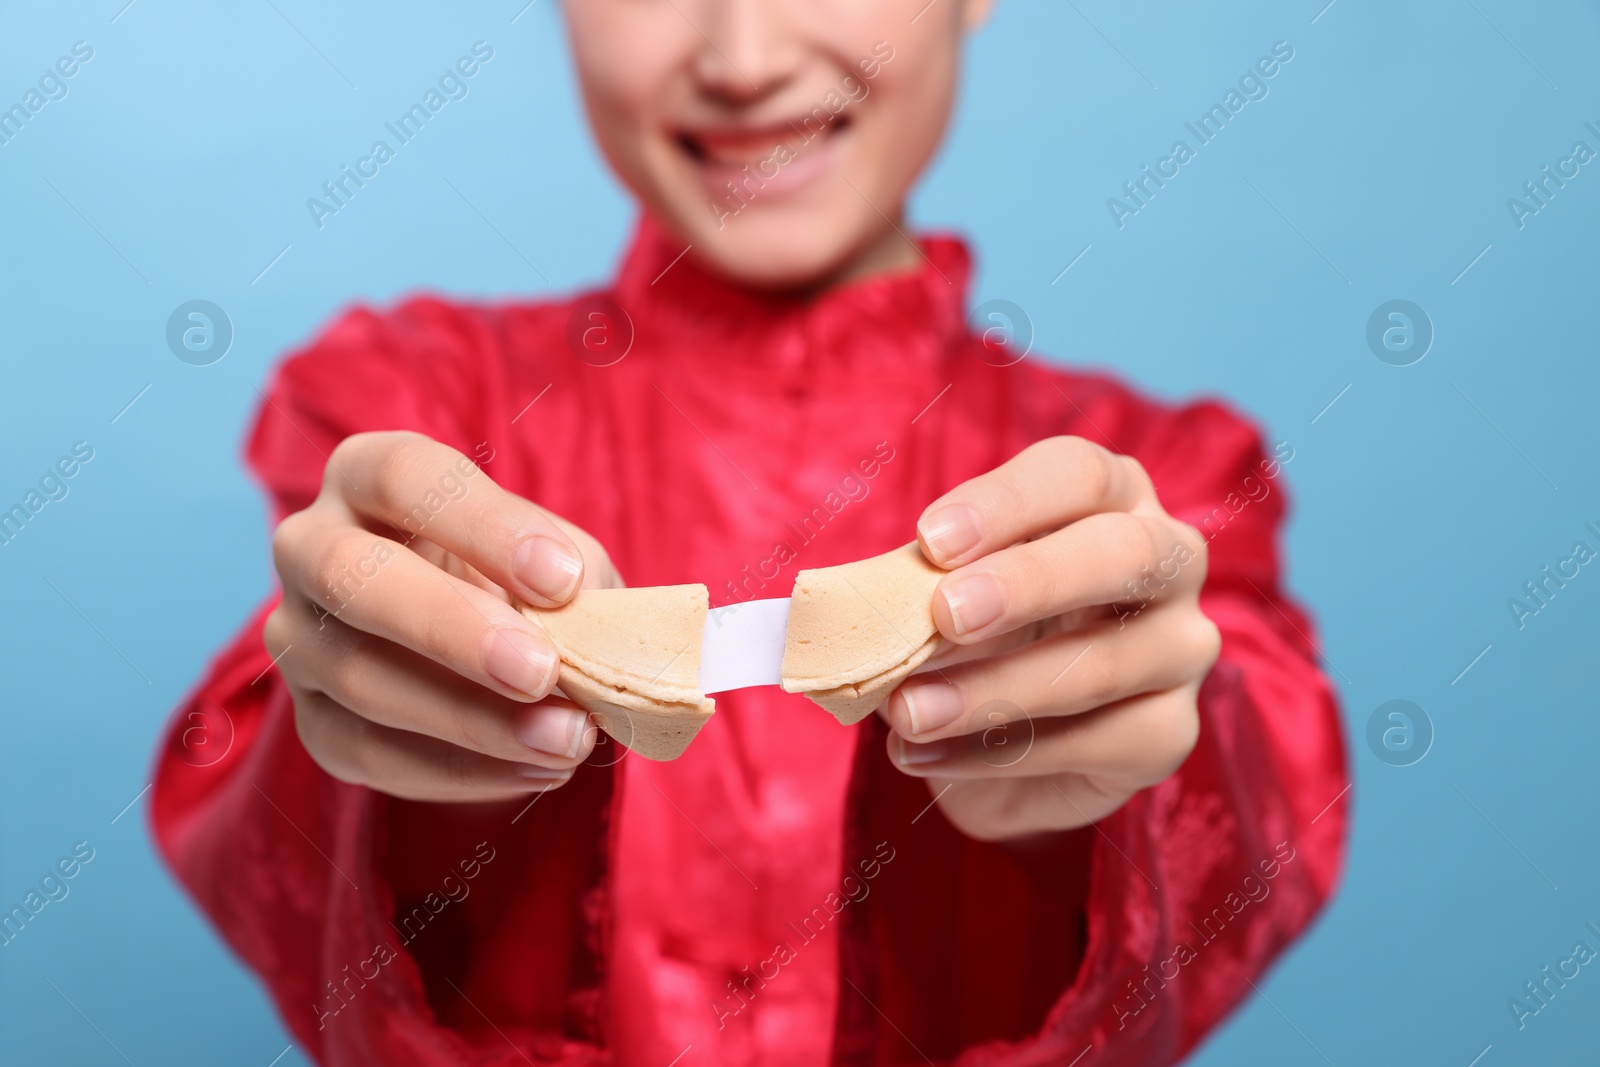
point(631, 659)
point(858, 630)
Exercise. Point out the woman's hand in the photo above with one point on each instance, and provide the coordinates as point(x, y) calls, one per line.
point(1078, 644)
point(411, 671)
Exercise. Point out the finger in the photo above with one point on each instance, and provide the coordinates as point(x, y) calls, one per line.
point(598, 570)
point(1045, 486)
point(947, 654)
point(1108, 558)
point(1061, 676)
point(394, 687)
point(382, 588)
point(420, 488)
point(407, 765)
point(598, 573)
point(1010, 809)
point(1129, 745)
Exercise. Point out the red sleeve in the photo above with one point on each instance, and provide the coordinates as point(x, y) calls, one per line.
point(1246, 842)
point(288, 863)
point(412, 369)
point(1199, 883)
point(1136, 936)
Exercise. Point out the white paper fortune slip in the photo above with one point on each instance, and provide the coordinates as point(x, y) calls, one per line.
point(743, 645)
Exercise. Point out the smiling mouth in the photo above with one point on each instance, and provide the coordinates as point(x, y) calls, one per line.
point(732, 149)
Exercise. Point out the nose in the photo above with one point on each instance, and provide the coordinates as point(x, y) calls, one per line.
point(751, 47)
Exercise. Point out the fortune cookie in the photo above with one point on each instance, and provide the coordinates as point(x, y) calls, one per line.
point(856, 631)
point(631, 659)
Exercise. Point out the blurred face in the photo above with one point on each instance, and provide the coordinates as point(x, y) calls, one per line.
point(778, 137)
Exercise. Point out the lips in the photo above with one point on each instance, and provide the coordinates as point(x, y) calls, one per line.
point(735, 146)
point(753, 158)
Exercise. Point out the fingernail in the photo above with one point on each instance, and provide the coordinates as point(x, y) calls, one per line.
point(950, 531)
point(520, 661)
point(932, 706)
point(911, 755)
point(553, 731)
point(542, 774)
point(974, 602)
point(547, 568)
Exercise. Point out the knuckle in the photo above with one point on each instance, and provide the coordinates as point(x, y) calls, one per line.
point(352, 453)
point(339, 761)
point(1136, 548)
point(1200, 565)
point(1181, 735)
point(340, 674)
point(392, 466)
point(1174, 731)
point(1136, 472)
point(1030, 585)
point(409, 462)
point(1082, 460)
point(288, 542)
point(305, 725)
point(472, 731)
point(437, 638)
point(999, 501)
point(1140, 537)
point(334, 571)
point(1047, 450)
point(345, 454)
point(1100, 679)
point(351, 448)
point(997, 496)
point(370, 442)
point(278, 631)
point(458, 768)
point(362, 759)
point(1194, 543)
point(1040, 460)
point(1062, 448)
point(1096, 469)
point(1206, 639)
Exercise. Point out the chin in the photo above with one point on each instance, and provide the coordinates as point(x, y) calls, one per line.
point(801, 227)
point(778, 247)
point(774, 256)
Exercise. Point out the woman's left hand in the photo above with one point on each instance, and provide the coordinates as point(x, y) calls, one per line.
point(1076, 644)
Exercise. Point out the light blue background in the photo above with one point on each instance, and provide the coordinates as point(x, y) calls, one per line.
point(1425, 497)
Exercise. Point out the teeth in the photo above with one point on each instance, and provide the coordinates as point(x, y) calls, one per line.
point(737, 152)
point(737, 157)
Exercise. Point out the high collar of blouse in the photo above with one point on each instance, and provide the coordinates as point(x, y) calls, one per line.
point(887, 321)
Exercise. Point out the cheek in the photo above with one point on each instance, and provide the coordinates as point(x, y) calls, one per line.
point(627, 61)
point(905, 117)
point(615, 99)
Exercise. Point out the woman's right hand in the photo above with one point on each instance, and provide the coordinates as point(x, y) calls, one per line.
point(412, 672)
